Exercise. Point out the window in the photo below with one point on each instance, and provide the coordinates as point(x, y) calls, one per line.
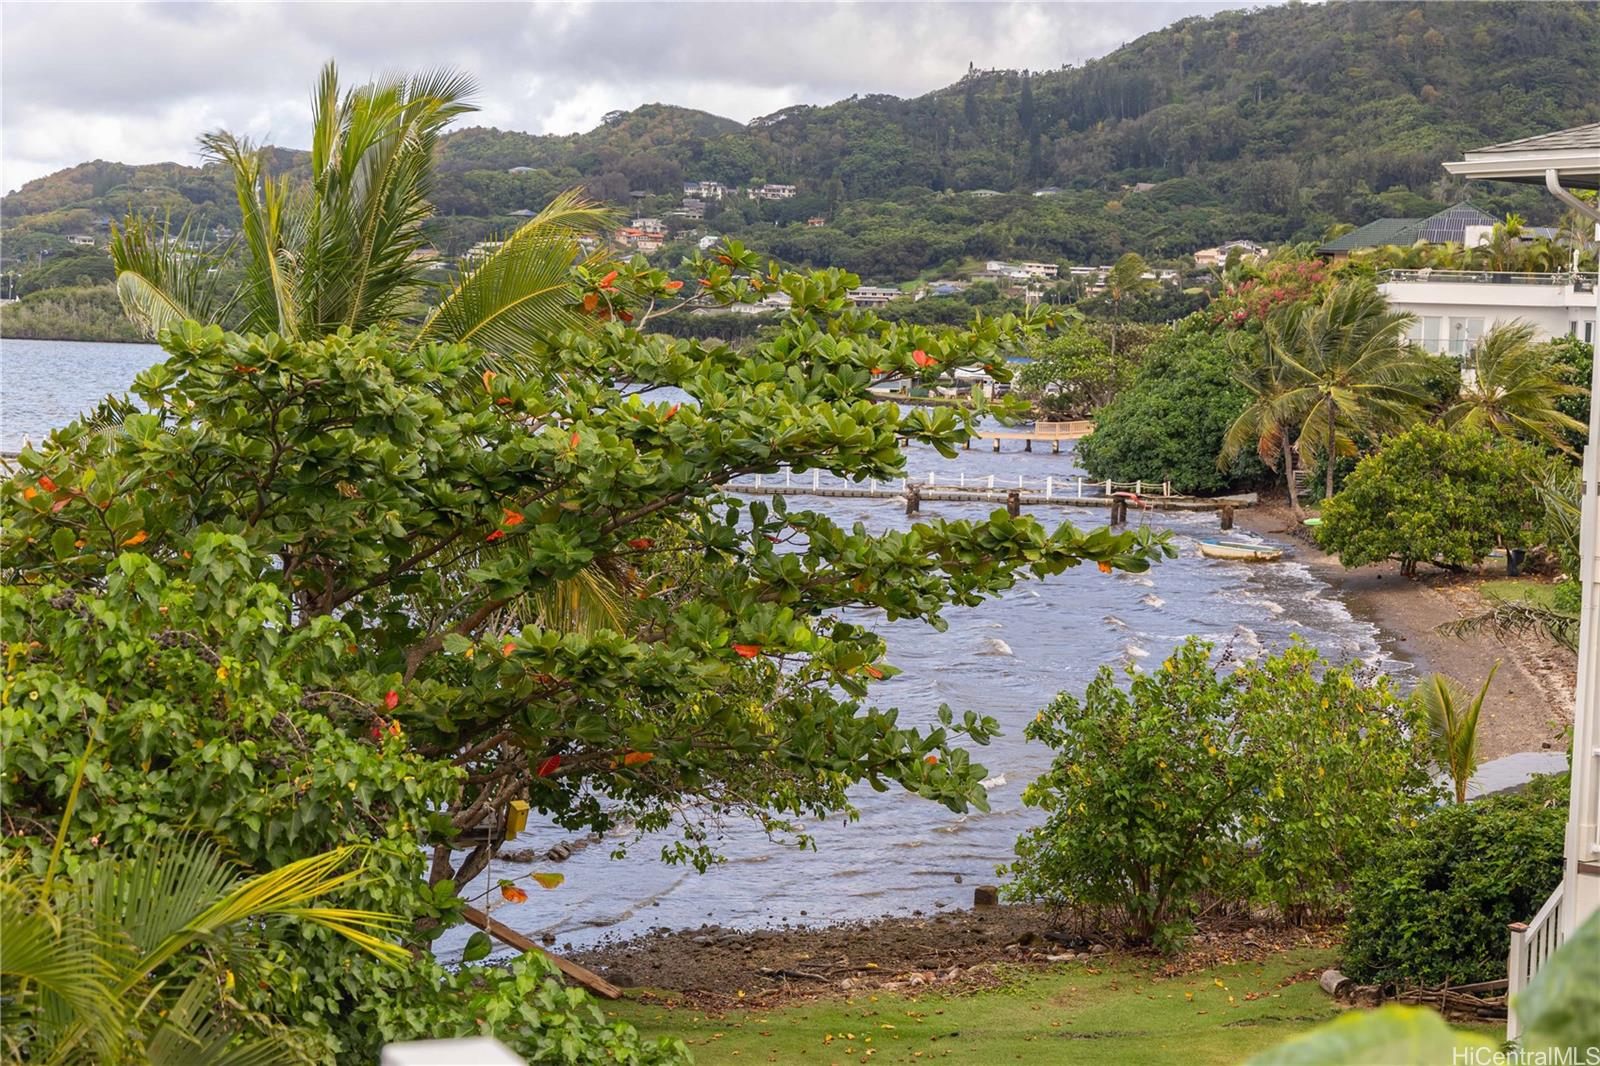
point(1588, 333)
point(1432, 326)
point(1464, 335)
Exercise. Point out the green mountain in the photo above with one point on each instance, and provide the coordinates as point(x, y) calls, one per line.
point(1272, 124)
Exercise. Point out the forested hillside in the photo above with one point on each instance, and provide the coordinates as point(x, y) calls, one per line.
point(1272, 124)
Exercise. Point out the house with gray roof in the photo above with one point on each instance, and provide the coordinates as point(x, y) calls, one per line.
point(1448, 226)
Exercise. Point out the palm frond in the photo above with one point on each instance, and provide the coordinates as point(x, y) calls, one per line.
point(1512, 618)
point(523, 294)
point(161, 280)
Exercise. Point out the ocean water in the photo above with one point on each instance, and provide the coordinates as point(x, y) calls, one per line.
point(1006, 658)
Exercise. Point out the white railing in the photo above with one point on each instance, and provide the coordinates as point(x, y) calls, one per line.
point(1532, 943)
point(1049, 488)
point(1490, 277)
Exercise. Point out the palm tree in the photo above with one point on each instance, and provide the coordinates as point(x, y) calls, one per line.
point(1514, 390)
point(347, 249)
point(1125, 278)
point(1453, 726)
point(1350, 368)
point(1266, 423)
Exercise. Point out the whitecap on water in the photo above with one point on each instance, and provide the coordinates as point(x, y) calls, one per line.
point(993, 782)
point(1150, 599)
point(1115, 622)
point(996, 646)
point(1135, 651)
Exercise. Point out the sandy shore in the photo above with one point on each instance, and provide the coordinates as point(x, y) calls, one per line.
point(1530, 702)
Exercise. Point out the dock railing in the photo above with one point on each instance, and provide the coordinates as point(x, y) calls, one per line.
point(1049, 488)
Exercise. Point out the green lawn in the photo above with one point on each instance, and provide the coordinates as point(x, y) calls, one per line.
point(1070, 1014)
point(1514, 589)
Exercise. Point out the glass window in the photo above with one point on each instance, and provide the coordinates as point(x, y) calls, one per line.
point(1588, 333)
point(1432, 326)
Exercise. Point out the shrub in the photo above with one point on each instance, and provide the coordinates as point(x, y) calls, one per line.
point(1435, 495)
point(1169, 424)
point(1434, 902)
point(1274, 782)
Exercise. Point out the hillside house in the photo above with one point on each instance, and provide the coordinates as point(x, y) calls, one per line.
point(704, 190)
point(770, 191)
point(691, 207)
point(1447, 227)
point(816, 220)
point(81, 240)
point(874, 295)
point(1218, 256)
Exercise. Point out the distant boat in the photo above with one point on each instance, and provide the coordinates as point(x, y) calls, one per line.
point(1240, 552)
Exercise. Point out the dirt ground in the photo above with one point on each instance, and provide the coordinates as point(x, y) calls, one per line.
point(951, 951)
point(1530, 702)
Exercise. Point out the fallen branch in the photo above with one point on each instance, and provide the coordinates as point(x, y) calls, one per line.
point(500, 931)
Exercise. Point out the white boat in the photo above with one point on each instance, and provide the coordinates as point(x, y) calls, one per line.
point(1238, 551)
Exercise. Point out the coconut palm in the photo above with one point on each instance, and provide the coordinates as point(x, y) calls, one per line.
point(1350, 369)
point(1453, 726)
point(346, 249)
point(1514, 390)
point(1267, 422)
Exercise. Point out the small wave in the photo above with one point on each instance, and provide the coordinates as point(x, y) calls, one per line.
point(1135, 651)
point(1115, 622)
point(996, 646)
point(993, 782)
point(1150, 599)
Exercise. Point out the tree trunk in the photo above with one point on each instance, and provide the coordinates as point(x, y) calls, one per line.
point(1288, 478)
point(1333, 440)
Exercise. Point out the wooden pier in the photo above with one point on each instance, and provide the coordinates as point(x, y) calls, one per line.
point(1056, 492)
point(1051, 433)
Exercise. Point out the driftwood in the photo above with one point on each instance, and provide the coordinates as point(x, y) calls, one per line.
point(585, 977)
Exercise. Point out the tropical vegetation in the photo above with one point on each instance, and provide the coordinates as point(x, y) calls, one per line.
point(1274, 782)
point(1433, 495)
point(1516, 389)
point(1434, 902)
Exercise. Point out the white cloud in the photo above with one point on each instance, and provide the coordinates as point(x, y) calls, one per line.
point(138, 82)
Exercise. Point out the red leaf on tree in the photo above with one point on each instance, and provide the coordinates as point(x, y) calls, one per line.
point(241, 368)
point(931, 760)
point(725, 260)
point(54, 507)
point(591, 301)
point(488, 379)
point(29, 492)
point(138, 538)
point(513, 894)
point(513, 518)
point(394, 729)
point(504, 401)
point(922, 358)
point(607, 281)
point(671, 411)
point(641, 543)
point(509, 647)
point(1105, 568)
point(46, 484)
point(674, 286)
point(550, 766)
point(494, 536)
point(875, 672)
point(626, 316)
point(574, 441)
point(706, 282)
point(391, 699)
point(747, 651)
point(637, 758)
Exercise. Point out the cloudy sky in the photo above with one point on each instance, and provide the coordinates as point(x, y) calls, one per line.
point(136, 82)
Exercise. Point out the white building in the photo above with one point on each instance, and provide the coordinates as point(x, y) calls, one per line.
point(770, 191)
point(81, 240)
point(1210, 257)
point(704, 190)
point(1562, 161)
point(1455, 308)
point(874, 295)
point(650, 225)
point(1040, 270)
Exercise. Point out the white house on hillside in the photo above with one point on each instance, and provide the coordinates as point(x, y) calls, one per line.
point(1455, 308)
point(1562, 161)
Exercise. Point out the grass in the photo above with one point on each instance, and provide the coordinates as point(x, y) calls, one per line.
point(1519, 589)
point(1117, 1013)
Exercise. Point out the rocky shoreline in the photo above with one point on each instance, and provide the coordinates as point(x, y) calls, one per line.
point(950, 952)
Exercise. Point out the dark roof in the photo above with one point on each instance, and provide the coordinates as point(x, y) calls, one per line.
point(1577, 137)
point(1449, 225)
